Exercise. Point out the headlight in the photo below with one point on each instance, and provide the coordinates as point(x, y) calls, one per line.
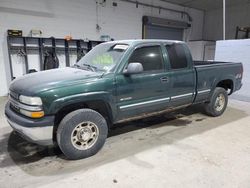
point(30, 100)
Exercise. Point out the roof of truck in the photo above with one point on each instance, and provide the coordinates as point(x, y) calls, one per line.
point(144, 41)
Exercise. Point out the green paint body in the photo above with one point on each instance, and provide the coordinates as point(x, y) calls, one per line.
point(129, 95)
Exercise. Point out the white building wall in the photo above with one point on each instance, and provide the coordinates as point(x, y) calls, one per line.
point(202, 50)
point(236, 51)
point(78, 17)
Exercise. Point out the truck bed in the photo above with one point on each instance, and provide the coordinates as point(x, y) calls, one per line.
point(210, 72)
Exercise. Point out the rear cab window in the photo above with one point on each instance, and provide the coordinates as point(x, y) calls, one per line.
point(177, 56)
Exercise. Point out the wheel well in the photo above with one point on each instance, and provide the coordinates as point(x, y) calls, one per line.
point(227, 85)
point(100, 106)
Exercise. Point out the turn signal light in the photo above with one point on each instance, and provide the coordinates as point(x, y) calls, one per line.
point(37, 114)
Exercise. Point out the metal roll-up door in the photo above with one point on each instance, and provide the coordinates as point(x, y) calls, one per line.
point(158, 28)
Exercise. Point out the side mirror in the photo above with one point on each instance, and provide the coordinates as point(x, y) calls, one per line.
point(133, 68)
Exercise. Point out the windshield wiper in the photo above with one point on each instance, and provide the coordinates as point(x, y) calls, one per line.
point(86, 67)
point(90, 67)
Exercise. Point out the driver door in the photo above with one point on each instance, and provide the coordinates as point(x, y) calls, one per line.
point(146, 91)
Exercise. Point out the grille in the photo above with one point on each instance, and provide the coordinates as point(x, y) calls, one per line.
point(14, 95)
point(14, 107)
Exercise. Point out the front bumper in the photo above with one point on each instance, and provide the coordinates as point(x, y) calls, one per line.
point(38, 131)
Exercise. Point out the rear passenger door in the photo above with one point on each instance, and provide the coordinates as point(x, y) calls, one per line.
point(182, 74)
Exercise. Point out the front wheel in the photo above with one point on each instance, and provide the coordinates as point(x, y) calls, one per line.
point(82, 133)
point(218, 102)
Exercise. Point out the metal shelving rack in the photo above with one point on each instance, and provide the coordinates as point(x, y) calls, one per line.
point(31, 45)
point(245, 30)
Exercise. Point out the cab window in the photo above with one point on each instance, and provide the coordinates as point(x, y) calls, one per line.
point(177, 56)
point(149, 56)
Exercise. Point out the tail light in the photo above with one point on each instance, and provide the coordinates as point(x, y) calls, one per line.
point(239, 75)
point(241, 71)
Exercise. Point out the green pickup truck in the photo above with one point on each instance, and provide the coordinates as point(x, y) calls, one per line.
point(115, 82)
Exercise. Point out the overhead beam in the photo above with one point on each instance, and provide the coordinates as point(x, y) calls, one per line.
point(184, 4)
point(137, 3)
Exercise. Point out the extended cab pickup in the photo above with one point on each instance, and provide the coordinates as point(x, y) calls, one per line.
point(115, 82)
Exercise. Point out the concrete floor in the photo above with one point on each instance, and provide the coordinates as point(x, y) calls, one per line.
point(184, 149)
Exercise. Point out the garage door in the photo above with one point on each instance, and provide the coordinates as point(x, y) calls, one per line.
point(158, 32)
point(159, 28)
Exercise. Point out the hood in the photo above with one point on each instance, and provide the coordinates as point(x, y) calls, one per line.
point(33, 83)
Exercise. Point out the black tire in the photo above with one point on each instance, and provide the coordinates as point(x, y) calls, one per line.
point(210, 107)
point(70, 123)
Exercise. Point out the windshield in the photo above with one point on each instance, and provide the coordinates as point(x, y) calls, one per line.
point(102, 57)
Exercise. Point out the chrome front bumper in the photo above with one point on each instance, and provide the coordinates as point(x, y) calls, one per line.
point(39, 135)
point(38, 131)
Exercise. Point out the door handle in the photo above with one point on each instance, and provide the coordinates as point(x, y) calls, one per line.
point(165, 79)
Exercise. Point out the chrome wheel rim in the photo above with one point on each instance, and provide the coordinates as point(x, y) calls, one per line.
point(84, 135)
point(220, 102)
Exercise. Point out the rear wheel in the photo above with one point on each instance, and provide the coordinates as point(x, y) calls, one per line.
point(218, 102)
point(82, 133)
